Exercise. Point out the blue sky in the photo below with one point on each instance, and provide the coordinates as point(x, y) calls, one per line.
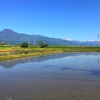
point(73, 19)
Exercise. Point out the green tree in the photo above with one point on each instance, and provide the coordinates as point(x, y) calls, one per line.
point(42, 44)
point(24, 45)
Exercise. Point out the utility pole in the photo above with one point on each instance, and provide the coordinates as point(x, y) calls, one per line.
point(98, 40)
point(34, 41)
point(98, 37)
point(28, 45)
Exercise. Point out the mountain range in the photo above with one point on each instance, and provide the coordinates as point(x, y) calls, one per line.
point(12, 37)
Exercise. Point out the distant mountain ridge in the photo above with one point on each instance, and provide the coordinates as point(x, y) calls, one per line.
point(12, 37)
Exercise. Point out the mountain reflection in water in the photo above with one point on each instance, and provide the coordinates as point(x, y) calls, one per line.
point(12, 63)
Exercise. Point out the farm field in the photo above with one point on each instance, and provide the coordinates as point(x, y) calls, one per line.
point(15, 52)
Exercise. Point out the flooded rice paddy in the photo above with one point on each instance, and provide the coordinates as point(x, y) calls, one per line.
point(65, 76)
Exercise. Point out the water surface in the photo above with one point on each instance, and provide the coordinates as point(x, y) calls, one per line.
point(66, 76)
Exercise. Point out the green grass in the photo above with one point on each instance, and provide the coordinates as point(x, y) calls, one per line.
point(6, 47)
point(13, 52)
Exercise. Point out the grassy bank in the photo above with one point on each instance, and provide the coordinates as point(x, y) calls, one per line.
point(12, 52)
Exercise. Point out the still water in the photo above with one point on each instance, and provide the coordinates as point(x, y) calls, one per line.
point(65, 76)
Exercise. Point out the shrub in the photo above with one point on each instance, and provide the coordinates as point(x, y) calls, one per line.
point(24, 45)
point(42, 44)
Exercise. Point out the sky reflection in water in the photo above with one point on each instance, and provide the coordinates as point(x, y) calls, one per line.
point(66, 76)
